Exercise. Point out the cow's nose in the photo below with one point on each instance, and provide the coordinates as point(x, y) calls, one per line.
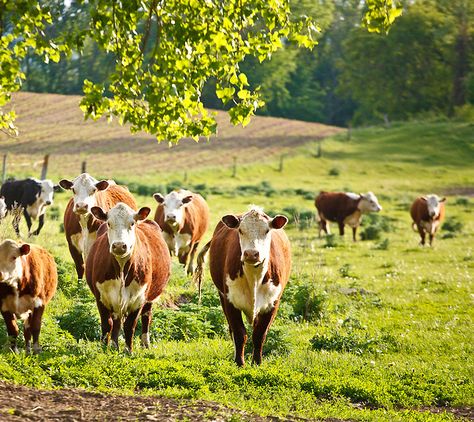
point(48, 202)
point(380, 208)
point(119, 248)
point(171, 217)
point(251, 255)
point(81, 208)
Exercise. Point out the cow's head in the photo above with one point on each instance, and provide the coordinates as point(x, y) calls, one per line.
point(173, 206)
point(10, 265)
point(254, 234)
point(84, 188)
point(47, 191)
point(434, 203)
point(121, 221)
point(3, 207)
point(369, 203)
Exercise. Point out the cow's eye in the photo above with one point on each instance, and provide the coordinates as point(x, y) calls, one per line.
point(268, 231)
point(132, 223)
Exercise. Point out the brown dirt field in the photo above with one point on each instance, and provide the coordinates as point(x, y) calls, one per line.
point(54, 124)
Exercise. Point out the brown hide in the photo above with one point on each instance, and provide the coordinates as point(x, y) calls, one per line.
point(196, 218)
point(419, 211)
point(335, 206)
point(150, 263)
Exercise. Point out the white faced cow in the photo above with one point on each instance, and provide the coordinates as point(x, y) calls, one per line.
point(184, 217)
point(250, 262)
point(32, 196)
point(127, 269)
point(80, 225)
point(344, 208)
point(427, 213)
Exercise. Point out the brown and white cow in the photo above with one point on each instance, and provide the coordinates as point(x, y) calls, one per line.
point(250, 263)
point(344, 208)
point(80, 225)
point(184, 217)
point(127, 269)
point(427, 213)
point(28, 280)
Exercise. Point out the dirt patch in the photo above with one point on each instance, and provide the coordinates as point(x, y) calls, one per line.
point(461, 191)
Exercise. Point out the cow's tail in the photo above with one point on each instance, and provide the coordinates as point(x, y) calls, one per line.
point(198, 274)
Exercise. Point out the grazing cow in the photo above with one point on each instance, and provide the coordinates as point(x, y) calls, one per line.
point(3, 208)
point(427, 213)
point(184, 217)
point(28, 280)
point(127, 269)
point(30, 195)
point(250, 262)
point(80, 225)
point(344, 208)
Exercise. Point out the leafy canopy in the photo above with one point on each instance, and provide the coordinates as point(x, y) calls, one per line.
point(164, 51)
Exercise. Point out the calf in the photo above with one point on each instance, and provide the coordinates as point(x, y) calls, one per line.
point(80, 225)
point(127, 269)
point(427, 213)
point(3, 208)
point(31, 196)
point(28, 280)
point(184, 217)
point(250, 262)
point(344, 208)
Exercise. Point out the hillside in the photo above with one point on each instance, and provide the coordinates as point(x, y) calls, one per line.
point(54, 124)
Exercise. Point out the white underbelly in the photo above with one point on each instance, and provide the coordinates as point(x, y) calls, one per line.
point(430, 226)
point(183, 243)
point(119, 299)
point(353, 220)
point(252, 299)
point(36, 209)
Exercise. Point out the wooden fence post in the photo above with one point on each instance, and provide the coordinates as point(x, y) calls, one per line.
point(319, 152)
point(44, 169)
point(4, 168)
point(185, 179)
point(83, 167)
point(234, 167)
point(280, 168)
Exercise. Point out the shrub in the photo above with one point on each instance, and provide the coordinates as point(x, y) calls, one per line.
point(382, 245)
point(453, 225)
point(307, 301)
point(81, 320)
point(462, 200)
point(334, 171)
point(331, 241)
point(374, 225)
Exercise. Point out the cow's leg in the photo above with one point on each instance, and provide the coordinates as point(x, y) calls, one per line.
point(237, 331)
point(27, 333)
point(421, 230)
point(105, 322)
point(129, 328)
point(431, 238)
point(191, 258)
point(12, 329)
point(183, 257)
point(28, 219)
point(16, 221)
point(114, 335)
point(78, 260)
point(354, 231)
point(35, 327)
point(146, 322)
point(260, 330)
point(341, 228)
point(40, 226)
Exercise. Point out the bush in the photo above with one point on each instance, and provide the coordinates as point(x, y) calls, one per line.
point(462, 200)
point(453, 225)
point(82, 321)
point(332, 241)
point(382, 245)
point(334, 171)
point(308, 302)
point(374, 225)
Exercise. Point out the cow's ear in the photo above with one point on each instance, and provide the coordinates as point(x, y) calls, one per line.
point(159, 197)
point(65, 184)
point(423, 198)
point(25, 249)
point(278, 222)
point(102, 185)
point(187, 199)
point(99, 213)
point(142, 214)
point(231, 221)
point(442, 199)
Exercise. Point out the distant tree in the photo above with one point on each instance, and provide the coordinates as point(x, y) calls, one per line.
point(163, 53)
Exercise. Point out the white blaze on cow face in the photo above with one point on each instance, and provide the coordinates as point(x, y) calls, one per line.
point(3, 207)
point(121, 221)
point(47, 191)
point(255, 234)
point(173, 206)
point(11, 268)
point(84, 188)
point(434, 203)
point(369, 203)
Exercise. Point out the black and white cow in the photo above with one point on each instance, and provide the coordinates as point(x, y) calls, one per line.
point(31, 196)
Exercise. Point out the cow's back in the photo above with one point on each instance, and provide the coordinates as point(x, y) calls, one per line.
point(40, 276)
point(196, 218)
point(108, 198)
point(335, 206)
point(20, 192)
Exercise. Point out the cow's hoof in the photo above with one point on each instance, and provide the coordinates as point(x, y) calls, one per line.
point(14, 349)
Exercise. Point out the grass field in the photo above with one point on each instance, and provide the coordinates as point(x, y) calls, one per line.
point(377, 330)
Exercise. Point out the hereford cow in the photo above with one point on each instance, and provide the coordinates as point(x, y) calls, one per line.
point(28, 280)
point(184, 217)
point(80, 225)
point(31, 196)
point(127, 269)
point(3, 208)
point(427, 213)
point(344, 208)
point(250, 264)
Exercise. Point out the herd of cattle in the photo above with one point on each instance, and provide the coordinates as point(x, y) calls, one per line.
point(127, 258)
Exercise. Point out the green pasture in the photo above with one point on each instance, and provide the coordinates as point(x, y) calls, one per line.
point(381, 329)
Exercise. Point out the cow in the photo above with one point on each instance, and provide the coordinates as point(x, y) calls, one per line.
point(250, 263)
point(32, 196)
point(127, 269)
point(344, 208)
point(427, 213)
point(28, 280)
point(80, 226)
point(3, 208)
point(184, 217)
